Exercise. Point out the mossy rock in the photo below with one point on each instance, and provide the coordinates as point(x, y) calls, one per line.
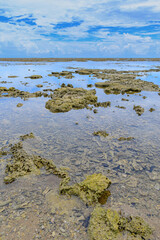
point(125, 138)
point(35, 76)
point(104, 224)
point(138, 109)
point(137, 226)
point(103, 104)
point(67, 98)
point(12, 76)
point(27, 136)
point(101, 133)
point(90, 190)
point(19, 105)
point(21, 164)
point(108, 224)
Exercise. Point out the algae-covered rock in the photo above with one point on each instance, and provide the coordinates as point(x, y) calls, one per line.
point(152, 109)
point(21, 164)
point(125, 138)
point(108, 224)
point(117, 87)
point(104, 224)
point(89, 190)
point(27, 136)
point(35, 76)
point(103, 104)
point(13, 92)
point(121, 107)
point(12, 76)
point(137, 226)
point(139, 110)
point(89, 85)
point(65, 74)
point(101, 133)
point(66, 98)
point(19, 105)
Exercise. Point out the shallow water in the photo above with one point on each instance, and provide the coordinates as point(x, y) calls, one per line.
point(67, 139)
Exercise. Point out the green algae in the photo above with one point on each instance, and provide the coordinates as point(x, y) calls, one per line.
point(66, 98)
point(12, 76)
point(137, 226)
point(139, 110)
point(21, 164)
point(65, 74)
point(125, 138)
point(39, 85)
point(152, 109)
point(121, 107)
point(103, 104)
point(19, 105)
point(101, 133)
point(108, 224)
point(90, 190)
point(13, 92)
point(35, 76)
point(27, 136)
point(117, 88)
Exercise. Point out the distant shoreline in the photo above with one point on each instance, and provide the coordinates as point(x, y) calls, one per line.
point(75, 59)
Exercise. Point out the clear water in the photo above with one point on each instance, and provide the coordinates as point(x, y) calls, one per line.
point(132, 166)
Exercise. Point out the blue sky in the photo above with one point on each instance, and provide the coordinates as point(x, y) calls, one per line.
point(79, 28)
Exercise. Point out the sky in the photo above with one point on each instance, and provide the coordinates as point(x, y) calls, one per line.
point(80, 28)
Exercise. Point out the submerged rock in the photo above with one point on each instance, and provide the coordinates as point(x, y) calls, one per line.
point(19, 105)
point(89, 85)
point(139, 110)
point(13, 92)
point(103, 104)
point(35, 76)
point(152, 109)
point(125, 138)
point(117, 88)
point(65, 74)
point(101, 133)
point(108, 224)
point(12, 76)
point(66, 98)
point(21, 164)
point(121, 107)
point(27, 136)
point(90, 190)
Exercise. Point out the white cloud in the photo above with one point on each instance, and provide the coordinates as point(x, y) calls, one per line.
point(105, 13)
point(134, 5)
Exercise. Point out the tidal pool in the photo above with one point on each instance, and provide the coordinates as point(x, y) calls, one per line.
point(31, 207)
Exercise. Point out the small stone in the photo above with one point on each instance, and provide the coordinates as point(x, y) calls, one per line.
point(95, 110)
point(62, 229)
point(157, 186)
point(19, 105)
point(151, 109)
point(53, 234)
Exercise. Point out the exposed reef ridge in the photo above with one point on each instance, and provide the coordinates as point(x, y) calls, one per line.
point(67, 98)
point(13, 92)
point(75, 59)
